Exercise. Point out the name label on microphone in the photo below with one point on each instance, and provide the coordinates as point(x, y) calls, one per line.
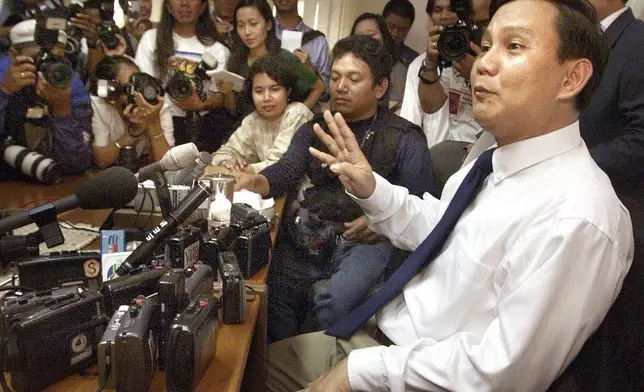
point(156, 231)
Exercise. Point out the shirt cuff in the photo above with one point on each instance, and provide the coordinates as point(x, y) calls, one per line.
point(367, 370)
point(379, 199)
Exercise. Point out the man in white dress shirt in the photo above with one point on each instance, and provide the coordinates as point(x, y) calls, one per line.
point(535, 261)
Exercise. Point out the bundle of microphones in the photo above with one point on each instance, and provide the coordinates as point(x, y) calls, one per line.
point(160, 312)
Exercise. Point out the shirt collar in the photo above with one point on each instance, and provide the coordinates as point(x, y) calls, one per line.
point(515, 157)
point(607, 21)
point(300, 26)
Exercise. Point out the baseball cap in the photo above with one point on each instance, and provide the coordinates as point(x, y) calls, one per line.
point(24, 33)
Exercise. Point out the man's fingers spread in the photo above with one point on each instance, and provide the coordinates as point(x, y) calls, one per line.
point(324, 157)
point(349, 141)
point(326, 139)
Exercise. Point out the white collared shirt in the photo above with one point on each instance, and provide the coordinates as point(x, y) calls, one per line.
point(454, 120)
point(527, 275)
point(607, 21)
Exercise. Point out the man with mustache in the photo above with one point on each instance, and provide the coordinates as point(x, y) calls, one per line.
point(518, 262)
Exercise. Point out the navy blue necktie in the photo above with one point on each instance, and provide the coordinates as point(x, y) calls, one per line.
point(423, 255)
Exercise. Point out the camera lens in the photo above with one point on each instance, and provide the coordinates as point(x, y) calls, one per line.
point(58, 74)
point(453, 45)
point(32, 164)
point(179, 87)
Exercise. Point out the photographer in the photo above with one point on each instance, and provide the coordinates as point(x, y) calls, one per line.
point(185, 33)
point(120, 123)
point(136, 24)
point(92, 50)
point(58, 133)
point(431, 79)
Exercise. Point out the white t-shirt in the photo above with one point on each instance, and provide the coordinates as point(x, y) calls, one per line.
point(108, 126)
point(454, 120)
point(186, 58)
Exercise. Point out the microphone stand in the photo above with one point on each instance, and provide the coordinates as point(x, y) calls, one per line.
point(45, 217)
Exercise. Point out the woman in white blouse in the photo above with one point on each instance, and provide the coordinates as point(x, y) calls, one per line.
point(265, 134)
point(117, 123)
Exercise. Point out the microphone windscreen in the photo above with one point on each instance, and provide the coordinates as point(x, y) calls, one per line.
point(113, 188)
point(179, 157)
point(205, 158)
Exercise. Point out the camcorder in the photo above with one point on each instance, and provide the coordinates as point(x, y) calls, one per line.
point(121, 290)
point(233, 289)
point(248, 237)
point(127, 350)
point(183, 249)
point(192, 344)
point(177, 288)
point(61, 269)
point(48, 336)
point(179, 86)
point(454, 42)
point(140, 82)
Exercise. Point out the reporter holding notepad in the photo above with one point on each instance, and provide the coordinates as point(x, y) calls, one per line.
point(254, 37)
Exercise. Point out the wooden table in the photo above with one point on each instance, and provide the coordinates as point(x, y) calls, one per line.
point(239, 347)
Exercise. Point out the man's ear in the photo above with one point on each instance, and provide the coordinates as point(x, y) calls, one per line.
point(13, 53)
point(381, 88)
point(578, 73)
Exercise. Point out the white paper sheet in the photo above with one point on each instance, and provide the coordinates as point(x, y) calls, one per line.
point(222, 74)
point(291, 40)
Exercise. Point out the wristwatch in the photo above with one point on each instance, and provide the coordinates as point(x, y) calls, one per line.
point(424, 68)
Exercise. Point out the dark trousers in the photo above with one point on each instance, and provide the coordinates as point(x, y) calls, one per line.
point(352, 272)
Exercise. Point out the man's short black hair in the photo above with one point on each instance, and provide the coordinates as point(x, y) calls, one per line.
point(580, 36)
point(369, 50)
point(402, 8)
point(276, 68)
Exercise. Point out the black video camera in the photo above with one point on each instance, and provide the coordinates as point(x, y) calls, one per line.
point(192, 344)
point(182, 250)
point(233, 289)
point(177, 288)
point(121, 290)
point(140, 82)
point(51, 336)
point(180, 84)
point(127, 350)
point(454, 42)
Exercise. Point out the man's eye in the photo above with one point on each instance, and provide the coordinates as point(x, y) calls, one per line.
point(486, 47)
point(514, 46)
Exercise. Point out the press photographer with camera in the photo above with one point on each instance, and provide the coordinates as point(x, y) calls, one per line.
point(43, 103)
point(137, 21)
point(175, 49)
point(122, 114)
point(437, 75)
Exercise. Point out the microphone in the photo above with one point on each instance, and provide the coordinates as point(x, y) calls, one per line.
point(186, 176)
point(144, 251)
point(113, 188)
point(175, 158)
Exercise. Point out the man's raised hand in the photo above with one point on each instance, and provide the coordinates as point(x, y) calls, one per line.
point(345, 157)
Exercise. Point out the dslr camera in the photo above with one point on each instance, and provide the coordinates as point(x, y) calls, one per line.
point(180, 84)
point(454, 42)
point(140, 82)
point(108, 30)
point(50, 22)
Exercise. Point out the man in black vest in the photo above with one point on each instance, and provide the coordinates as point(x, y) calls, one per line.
point(326, 236)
